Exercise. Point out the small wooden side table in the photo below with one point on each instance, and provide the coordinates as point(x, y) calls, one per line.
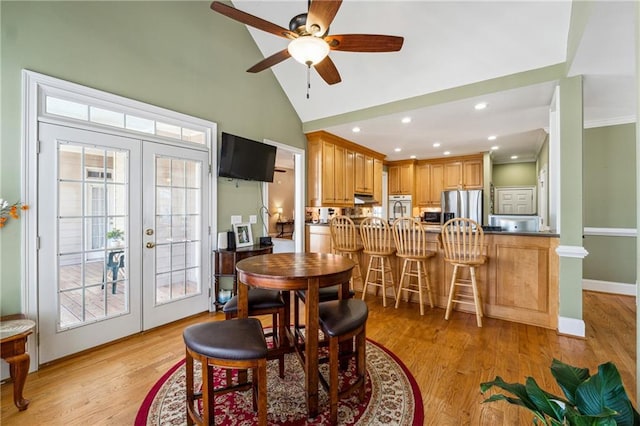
point(14, 330)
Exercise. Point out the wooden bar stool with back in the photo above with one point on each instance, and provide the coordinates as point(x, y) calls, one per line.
point(377, 243)
point(463, 245)
point(412, 246)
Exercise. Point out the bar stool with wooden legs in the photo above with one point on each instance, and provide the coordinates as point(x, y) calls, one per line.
point(343, 322)
point(412, 246)
point(264, 302)
point(344, 240)
point(463, 245)
point(376, 240)
point(232, 344)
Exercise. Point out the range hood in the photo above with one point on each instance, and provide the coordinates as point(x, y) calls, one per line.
point(363, 199)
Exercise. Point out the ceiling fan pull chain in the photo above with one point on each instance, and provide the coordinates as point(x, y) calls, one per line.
point(308, 78)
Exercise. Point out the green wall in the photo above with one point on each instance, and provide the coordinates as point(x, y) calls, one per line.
point(176, 55)
point(610, 202)
point(609, 171)
point(516, 174)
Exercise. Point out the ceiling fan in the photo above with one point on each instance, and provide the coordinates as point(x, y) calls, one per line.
point(310, 43)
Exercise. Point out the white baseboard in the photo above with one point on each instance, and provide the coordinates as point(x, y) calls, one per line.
point(609, 287)
point(571, 326)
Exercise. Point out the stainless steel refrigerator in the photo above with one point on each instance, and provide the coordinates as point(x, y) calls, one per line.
point(459, 203)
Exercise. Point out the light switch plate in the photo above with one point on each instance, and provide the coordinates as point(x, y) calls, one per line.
point(236, 219)
point(253, 218)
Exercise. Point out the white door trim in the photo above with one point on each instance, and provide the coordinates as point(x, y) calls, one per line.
point(33, 86)
point(299, 192)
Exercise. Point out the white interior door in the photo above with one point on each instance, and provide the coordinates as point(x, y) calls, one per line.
point(176, 235)
point(515, 200)
point(87, 292)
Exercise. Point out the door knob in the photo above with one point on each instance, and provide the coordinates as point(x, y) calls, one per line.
point(149, 231)
point(150, 245)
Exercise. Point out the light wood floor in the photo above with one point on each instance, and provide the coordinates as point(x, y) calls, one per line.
point(449, 359)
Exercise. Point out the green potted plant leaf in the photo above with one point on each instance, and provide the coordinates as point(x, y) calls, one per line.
point(115, 236)
point(598, 399)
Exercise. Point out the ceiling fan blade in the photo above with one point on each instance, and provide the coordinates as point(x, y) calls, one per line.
point(320, 15)
point(328, 71)
point(276, 58)
point(364, 43)
point(252, 21)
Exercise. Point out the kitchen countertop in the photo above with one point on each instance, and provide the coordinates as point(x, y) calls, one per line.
point(438, 228)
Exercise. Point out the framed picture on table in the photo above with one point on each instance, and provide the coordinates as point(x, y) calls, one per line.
point(242, 231)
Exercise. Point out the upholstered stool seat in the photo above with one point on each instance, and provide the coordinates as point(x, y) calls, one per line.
point(232, 344)
point(265, 302)
point(325, 293)
point(342, 321)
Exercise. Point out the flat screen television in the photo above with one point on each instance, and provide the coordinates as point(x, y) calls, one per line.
point(242, 158)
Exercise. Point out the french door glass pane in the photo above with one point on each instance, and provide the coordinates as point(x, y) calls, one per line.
point(92, 225)
point(177, 221)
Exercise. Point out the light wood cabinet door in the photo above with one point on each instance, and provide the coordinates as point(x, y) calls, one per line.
point(472, 174)
point(328, 173)
point(364, 174)
point(423, 184)
point(318, 239)
point(437, 183)
point(401, 179)
point(349, 176)
point(406, 179)
point(377, 180)
point(339, 157)
point(394, 180)
point(453, 175)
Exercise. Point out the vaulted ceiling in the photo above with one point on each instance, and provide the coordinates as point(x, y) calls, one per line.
point(456, 54)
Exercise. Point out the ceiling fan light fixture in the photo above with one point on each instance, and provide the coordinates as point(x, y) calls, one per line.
point(308, 50)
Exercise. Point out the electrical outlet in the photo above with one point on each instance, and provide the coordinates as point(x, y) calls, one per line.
point(253, 218)
point(236, 219)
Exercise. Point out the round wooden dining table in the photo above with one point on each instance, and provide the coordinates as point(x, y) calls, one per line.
point(290, 272)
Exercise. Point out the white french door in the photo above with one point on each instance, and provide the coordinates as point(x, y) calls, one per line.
point(175, 236)
point(97, 280)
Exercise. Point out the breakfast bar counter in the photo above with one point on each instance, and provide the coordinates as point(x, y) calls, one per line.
point(519, 281)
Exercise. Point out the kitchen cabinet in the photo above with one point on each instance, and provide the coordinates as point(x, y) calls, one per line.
point(472, 174)
point(364, 174)
point(338, 168)
point(328, 173)
point(343, 179)
point(401, 178)
point(318, 239)
point(463, 174)
point(377, 180)
point(453, 175)
point(429, 183)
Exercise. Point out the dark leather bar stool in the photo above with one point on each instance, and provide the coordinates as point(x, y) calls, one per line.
point(265, 302)
point(326, 294)
point(233, 344)
point(344, 321)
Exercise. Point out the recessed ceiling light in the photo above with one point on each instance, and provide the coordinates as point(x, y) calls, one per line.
point(495, 148)
point(492, 138)
point(355, 129)
point(436, 145)
point(480, 105)
point(398, 149)
point(406, 120)
point(413, 156)
point(514, 157)
point(447, 152)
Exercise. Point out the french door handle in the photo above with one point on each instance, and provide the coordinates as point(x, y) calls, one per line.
point(150, 245)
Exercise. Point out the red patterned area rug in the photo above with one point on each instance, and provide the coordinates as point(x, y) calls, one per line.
point(392, 397)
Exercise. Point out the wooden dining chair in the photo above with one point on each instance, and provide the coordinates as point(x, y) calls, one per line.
point(463, 246)
point(344, 241)
point(377, 242)
point(413, 247)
